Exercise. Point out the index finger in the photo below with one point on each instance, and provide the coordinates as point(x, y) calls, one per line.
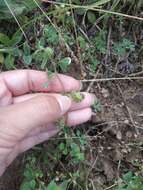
point(20, 82)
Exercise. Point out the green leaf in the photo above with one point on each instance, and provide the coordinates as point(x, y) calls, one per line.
point(1, 58)
point(100, 42)
point(80, 11)
point(32, 184)
point(43, 55)
point(91, 17)
point(64, 63)
point(131, 182)
point(120, 48)
point(9, 62)
point(5, 13)
point(28, 185)
point(49, 52)
point(16, 6)
point(26, 49)
point(82, 42)
point(25, 186)
point(53, 186)
point(27, 59)
point(4, 39)
point(17, 52)
point(128, 177)
point(16, 38)
point(40, 43)
point(28, 173)
point(62, 146)
point(64, 185)
point(97, 107)
point(51, 34)
point(94, 64)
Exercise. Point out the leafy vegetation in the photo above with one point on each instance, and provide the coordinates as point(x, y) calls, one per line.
point(16, 6)
point(131, 182)
point(121, 48)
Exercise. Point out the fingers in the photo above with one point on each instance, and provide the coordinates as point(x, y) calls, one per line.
point(44, 133)
point(20, 118)
point(23, 81)
point(86, 102)
point(78, 117)
point(72, 119)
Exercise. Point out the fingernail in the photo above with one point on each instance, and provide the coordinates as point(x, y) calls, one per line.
point(65, 103)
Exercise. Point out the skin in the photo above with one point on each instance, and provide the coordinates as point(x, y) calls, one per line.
point(29, 111)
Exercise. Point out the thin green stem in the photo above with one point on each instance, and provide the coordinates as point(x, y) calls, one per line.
point(97, 9)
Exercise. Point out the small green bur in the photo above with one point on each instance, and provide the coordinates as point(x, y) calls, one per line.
point(76, 96)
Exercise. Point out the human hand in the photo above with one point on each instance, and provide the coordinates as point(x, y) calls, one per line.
point(27, 118)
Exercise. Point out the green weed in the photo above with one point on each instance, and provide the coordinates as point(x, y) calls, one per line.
point(16, 6)
point(32, 175)
point(76, 96)
point(97, 107)
point(121, 48)
point(131, 182)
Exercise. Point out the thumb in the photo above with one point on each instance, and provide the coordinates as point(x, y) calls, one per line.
point(19, 119)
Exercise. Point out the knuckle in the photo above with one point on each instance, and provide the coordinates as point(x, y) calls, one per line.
point(50, 104)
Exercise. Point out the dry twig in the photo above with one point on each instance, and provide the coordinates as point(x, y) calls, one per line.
point(112, 79)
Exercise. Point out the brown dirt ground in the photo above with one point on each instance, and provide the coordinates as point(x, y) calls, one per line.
point(119, 135)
